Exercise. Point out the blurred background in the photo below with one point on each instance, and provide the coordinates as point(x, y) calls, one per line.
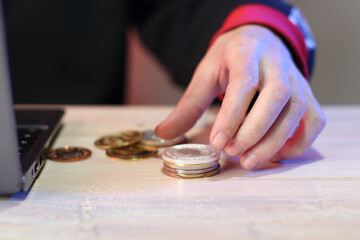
point(336, 26)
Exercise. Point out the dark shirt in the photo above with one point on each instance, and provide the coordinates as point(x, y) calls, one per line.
point(73, 52)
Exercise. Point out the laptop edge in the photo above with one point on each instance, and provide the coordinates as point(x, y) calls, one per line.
point(19, 174)
point(11, 175)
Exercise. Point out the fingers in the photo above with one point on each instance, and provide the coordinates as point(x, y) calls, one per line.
point(198, 96)
point(311, 125)
point(275, 93)
point(302, 105)
point(243, 84)
point(275, 138)
point(266, 133)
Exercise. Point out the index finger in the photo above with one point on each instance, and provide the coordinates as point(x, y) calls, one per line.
point(197, 97)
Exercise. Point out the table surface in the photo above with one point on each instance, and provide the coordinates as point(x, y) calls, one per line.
point(315, 196)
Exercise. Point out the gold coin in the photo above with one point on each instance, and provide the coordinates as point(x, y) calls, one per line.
point(121, 139)
point(69, 154)
point(133, 152)
point(201, 175)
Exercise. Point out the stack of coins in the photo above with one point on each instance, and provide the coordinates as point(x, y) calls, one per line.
point(191, 161)
point(134, 145)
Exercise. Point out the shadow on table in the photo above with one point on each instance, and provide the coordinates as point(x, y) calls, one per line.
point(231, 167)
point(12, 200)
point(16, 196)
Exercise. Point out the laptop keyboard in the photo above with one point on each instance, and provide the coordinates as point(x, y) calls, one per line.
point(26, 137)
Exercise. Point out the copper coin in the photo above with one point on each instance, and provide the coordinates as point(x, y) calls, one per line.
point(69, 154)
point(121, 139)
point(132, 153)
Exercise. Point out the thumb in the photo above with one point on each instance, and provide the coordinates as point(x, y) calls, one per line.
point(197, 97)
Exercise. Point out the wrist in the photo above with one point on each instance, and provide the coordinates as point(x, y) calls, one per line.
point(275, 20)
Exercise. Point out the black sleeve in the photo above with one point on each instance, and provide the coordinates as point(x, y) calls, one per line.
point(179, 32)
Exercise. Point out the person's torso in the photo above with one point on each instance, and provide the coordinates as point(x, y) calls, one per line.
point(66, 51)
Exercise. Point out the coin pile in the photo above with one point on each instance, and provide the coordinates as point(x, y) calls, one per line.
point(191, 161)
point(121, 139)
point(134, 145)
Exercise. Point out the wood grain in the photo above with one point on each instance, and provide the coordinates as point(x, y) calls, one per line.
point(315, 196)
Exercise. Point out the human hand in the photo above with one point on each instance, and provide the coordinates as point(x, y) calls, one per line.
point(240, 63)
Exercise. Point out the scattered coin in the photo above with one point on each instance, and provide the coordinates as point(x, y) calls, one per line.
point(121, 139)
point(151, 139)
point(69, 154)
point(133, 152)
point(181, 161)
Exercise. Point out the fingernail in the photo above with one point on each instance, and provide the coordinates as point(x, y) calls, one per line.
point(234, 148)
point(251, 162)
point(164, 133)
point(220, 140)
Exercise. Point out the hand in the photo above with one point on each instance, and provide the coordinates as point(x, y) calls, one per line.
point(240, 63)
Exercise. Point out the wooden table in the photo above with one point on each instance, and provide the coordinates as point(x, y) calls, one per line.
point(315, 196)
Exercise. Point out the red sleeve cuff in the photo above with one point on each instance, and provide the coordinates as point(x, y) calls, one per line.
point(273, 19)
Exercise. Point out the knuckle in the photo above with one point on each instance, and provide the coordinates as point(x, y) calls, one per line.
point(252, 82)
point(204, 72)
point(248, 138)
point(319, 122)
point(299, 103)
point(246, 80)
point(245, 145)
point(281, 92)
point(252, 43)
point(245, 43)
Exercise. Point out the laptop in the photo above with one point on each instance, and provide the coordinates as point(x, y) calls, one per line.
point(25, 135)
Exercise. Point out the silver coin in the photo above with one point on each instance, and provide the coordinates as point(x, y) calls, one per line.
point(151, 139)
point(201, 175)
point(191, 154)
point(192, 166)
point(191, 172)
